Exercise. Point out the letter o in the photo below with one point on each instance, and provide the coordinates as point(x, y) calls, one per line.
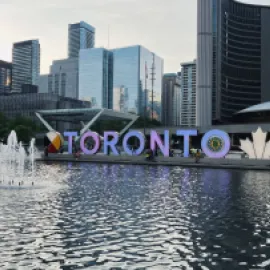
point(96, 138)
point(219, 141)
point(141, 138)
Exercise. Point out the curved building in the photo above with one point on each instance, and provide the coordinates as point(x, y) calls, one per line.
point(233, 63)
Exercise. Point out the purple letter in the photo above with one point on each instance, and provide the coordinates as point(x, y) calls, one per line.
point(95, 137)
point(70, 135)
point(112, 143)
point(216, 144)
point(186, 133)
point(141, 138)
point(156, 140)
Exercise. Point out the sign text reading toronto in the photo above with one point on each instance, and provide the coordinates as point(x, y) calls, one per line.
point(111, 138)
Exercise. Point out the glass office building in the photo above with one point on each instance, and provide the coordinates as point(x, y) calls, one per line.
point(96, 77)
point(63, 78)
point(26, 64)
point(120, 99)
point(80, 36)
point(5, 77)
point(135, 68)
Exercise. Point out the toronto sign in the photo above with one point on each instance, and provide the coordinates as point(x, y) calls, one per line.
point(214, 143)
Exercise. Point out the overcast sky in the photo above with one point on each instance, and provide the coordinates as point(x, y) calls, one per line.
point(166, 27)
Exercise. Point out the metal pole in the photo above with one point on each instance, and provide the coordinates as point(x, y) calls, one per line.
point(145, 93)
point(153, 79)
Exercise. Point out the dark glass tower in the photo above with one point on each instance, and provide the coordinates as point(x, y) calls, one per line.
point(80, 36)
point(26, 64)
point(233, 58)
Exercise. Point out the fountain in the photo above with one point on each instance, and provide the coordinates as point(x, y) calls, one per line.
point(16, 166)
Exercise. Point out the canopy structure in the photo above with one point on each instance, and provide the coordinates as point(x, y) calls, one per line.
point(86, 116)
point(263, 107)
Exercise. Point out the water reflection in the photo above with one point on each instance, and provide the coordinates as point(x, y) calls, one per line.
point(138, 217)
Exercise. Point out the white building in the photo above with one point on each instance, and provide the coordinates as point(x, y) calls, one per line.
point(188, 94)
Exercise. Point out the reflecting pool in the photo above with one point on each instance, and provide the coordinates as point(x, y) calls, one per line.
point(87, 216)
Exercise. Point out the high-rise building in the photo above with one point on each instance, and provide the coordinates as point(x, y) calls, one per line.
point(43, 83)
point(5, 77)
point(137, 69)
point(80, 36)
point(96, 77)
point(120, 99)
point(188, 94)
point(63, 78)
point(26, 64)
point(233, 58)
point(171, 99)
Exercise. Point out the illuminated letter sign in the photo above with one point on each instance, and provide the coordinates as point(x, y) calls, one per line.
point(216, 144)
point(95, 137)
point(186, 134)
point(156, 140)
point(141, 138)
point(70, 135)
point(112, 143)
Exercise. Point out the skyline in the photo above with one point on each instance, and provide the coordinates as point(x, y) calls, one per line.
point(167, 30)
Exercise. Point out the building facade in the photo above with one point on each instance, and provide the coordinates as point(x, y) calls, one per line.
point(96, 77)
point(27, 104)
point(120, 99)
point(188, 94)
point(171, 106)
point(80, 36)
point(140, 72)
point(5, 77)
point(63, 79)
point(26, 64)
point(43, 83)
point(233, 58)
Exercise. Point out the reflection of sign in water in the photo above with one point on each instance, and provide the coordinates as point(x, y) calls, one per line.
point(258, 149)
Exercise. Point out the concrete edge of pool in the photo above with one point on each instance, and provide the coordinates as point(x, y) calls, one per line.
point(247, 164)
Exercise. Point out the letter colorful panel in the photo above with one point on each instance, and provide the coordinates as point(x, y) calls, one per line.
point(216, 144)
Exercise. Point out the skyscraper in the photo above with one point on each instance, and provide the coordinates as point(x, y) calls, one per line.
point(26, 64)
point(139, 70)
point(120, 99)
point(96, 76)
point(80, 36)
point(188, 94)
point(63, 78)
point(5, 77)
point(171, 99)
point(233, 58)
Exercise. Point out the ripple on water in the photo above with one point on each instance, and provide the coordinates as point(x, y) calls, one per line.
point(133, 217)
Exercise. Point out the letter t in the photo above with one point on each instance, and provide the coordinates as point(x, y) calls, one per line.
point(186, 134)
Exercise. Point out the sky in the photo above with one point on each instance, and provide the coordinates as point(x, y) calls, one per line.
point(166, 27)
